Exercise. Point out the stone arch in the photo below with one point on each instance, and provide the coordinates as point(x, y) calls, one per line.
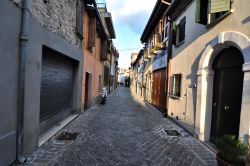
point(205, 82)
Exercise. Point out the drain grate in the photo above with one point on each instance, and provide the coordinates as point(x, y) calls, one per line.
point(173, 133)
point(67, 136)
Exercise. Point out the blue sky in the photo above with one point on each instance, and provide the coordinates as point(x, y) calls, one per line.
point(130, 18)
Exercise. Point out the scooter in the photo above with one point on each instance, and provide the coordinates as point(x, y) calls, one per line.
point(104, 94)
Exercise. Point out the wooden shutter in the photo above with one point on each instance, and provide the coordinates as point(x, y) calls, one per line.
point(172, 85)
point(104, 50)
point(79, 18)
point(220, 6)
point(181, 30)
point(174, 33)
point(91, 32)
point(201, 12)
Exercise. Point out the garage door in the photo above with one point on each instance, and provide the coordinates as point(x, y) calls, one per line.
point(56, 89)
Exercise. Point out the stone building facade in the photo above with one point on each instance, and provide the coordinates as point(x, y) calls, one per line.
point(58, 16)
point(41, 72)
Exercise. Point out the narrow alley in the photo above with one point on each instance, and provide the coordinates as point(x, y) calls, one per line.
point(124, 131)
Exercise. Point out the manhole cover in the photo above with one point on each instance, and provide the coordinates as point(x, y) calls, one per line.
point(173, 133)
point(67, 136)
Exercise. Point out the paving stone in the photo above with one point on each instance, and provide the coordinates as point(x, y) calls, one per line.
point(124, 131)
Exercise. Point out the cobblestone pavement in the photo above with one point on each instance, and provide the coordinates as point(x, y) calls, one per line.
point(124, 131)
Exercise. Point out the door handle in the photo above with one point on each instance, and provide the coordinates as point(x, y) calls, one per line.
point(226, 108)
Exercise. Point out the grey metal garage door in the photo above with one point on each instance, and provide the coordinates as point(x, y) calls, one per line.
point(56, 89)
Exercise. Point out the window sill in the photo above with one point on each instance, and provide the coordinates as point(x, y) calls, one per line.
point(179, 44)
point(79, 34)
point(212, 24)
point(175, 97)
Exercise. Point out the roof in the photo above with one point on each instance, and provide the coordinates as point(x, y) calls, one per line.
point(110, 25)
point(107, 17)
point(176, 8)
point(156, 15)
point(140, 54)
point(91, 7)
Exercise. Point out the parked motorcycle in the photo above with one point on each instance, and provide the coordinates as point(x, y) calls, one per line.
point(104, 94)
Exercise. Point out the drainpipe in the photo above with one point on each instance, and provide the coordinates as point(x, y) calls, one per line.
point(169, 63)
point(22, 59)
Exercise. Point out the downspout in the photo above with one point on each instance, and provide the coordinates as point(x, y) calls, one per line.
point(169, 64)
point(22, 59)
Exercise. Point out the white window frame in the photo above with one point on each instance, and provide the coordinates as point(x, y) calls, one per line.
point(173, 87)
point(166, 30)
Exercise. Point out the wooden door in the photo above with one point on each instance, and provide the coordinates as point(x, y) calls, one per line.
point(159, 89)
point(227, 93)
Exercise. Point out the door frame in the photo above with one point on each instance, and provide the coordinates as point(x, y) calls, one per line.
point(205, 76)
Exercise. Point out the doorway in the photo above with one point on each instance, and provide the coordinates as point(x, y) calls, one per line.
point(227, 93)
point(56, 97)
point(87, 96)
point(159, 90)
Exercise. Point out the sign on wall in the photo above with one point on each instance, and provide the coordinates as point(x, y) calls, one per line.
point(160, 60)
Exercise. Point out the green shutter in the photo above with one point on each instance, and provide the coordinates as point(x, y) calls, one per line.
point(201, 11)
point(220, 6)
point(174, 33)
point(198, 11)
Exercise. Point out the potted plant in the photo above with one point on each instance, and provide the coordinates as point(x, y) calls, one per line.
point(231, 151)
point(248, 158)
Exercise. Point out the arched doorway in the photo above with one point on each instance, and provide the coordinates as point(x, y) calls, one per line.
point(227, 92)
point(205, 79)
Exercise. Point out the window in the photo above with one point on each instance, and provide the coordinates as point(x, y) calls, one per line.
point(176, 85)
point(91, 32)
point(103, 54)
point(79, 18)
point(165, 29)
point(211, 11)
point(179, 32)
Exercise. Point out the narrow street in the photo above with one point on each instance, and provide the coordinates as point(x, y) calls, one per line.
point(124, 131)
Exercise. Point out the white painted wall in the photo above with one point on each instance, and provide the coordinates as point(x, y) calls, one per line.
point(186, 59)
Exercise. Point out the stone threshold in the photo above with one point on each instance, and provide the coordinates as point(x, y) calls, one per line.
point(51, 132)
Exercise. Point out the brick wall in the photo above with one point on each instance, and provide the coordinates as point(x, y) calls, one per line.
point(58, 16)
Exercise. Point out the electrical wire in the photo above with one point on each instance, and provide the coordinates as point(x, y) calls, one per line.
point(129, 49)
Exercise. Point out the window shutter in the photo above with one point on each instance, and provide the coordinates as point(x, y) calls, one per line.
point(201, 12)
point(79, 18)
point(91, 32)
point(220, 6)
point(172, 85)
point(104, 50)
point(174, 33)
point(181, 30)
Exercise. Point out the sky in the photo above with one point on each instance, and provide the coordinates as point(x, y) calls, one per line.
point(130, 18)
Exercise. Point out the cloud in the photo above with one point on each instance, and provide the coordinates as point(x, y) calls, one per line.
point(130, 18)
point(131, 13)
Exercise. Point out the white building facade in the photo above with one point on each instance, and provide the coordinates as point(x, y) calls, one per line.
point(210, 67)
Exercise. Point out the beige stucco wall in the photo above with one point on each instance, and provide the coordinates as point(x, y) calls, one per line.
point(92, 65)
point(187, 56)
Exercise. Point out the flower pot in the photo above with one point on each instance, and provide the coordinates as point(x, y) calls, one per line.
point(222, 162)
